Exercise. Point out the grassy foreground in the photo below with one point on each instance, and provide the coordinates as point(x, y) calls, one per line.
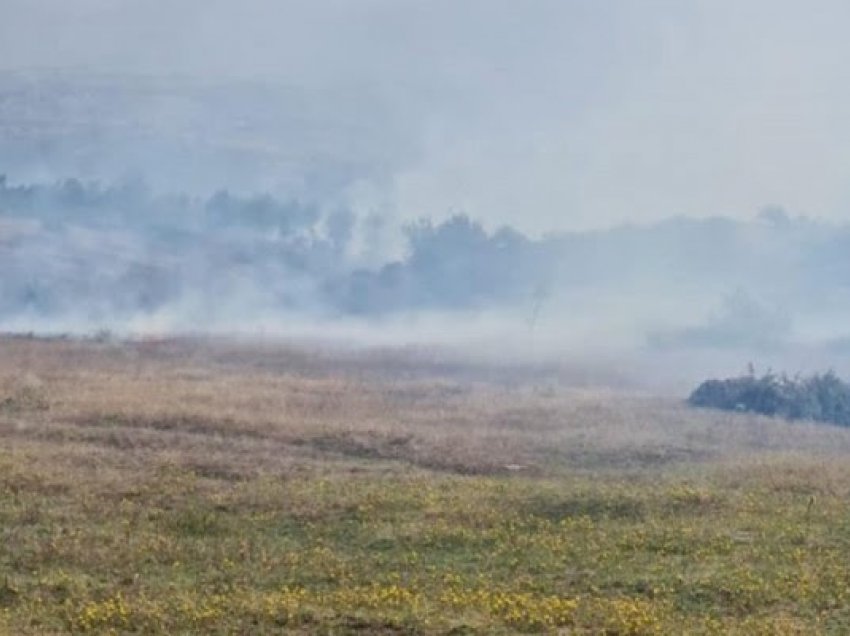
point(360, 513)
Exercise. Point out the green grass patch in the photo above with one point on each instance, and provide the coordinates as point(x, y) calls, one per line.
point(420, 553)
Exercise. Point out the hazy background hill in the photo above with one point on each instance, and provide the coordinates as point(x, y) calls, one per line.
point(151, 204)
point(188, 134)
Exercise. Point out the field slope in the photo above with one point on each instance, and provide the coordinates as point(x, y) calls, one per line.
point(183, 487)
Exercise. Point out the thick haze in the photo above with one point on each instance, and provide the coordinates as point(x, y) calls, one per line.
point(666, 178)
point(546, 115)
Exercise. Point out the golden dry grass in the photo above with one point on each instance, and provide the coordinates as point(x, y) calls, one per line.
point(185, 486)
point(273, 408)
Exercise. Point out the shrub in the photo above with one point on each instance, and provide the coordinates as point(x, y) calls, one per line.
point(820, 397)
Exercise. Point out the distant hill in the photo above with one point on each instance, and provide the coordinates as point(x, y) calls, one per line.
point(188, 134)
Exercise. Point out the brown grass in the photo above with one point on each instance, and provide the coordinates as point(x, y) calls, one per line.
point(187, 486)
point(215, 407)
point(243, 409)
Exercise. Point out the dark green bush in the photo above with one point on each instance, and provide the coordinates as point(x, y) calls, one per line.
point(820, 397)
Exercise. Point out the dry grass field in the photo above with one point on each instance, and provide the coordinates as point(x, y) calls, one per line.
point(188, 486)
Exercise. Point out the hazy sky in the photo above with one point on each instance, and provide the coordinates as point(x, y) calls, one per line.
point(549, 115)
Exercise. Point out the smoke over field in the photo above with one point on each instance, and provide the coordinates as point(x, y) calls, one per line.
point(661, 182)
point(377, 317)
point(80, 256)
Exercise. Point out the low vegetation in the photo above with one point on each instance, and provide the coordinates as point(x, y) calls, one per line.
point(820, 397)
point(183, 488)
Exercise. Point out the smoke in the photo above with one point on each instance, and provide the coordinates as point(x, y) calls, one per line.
point(81, 255)
point(550, 176)
point(545, 115)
